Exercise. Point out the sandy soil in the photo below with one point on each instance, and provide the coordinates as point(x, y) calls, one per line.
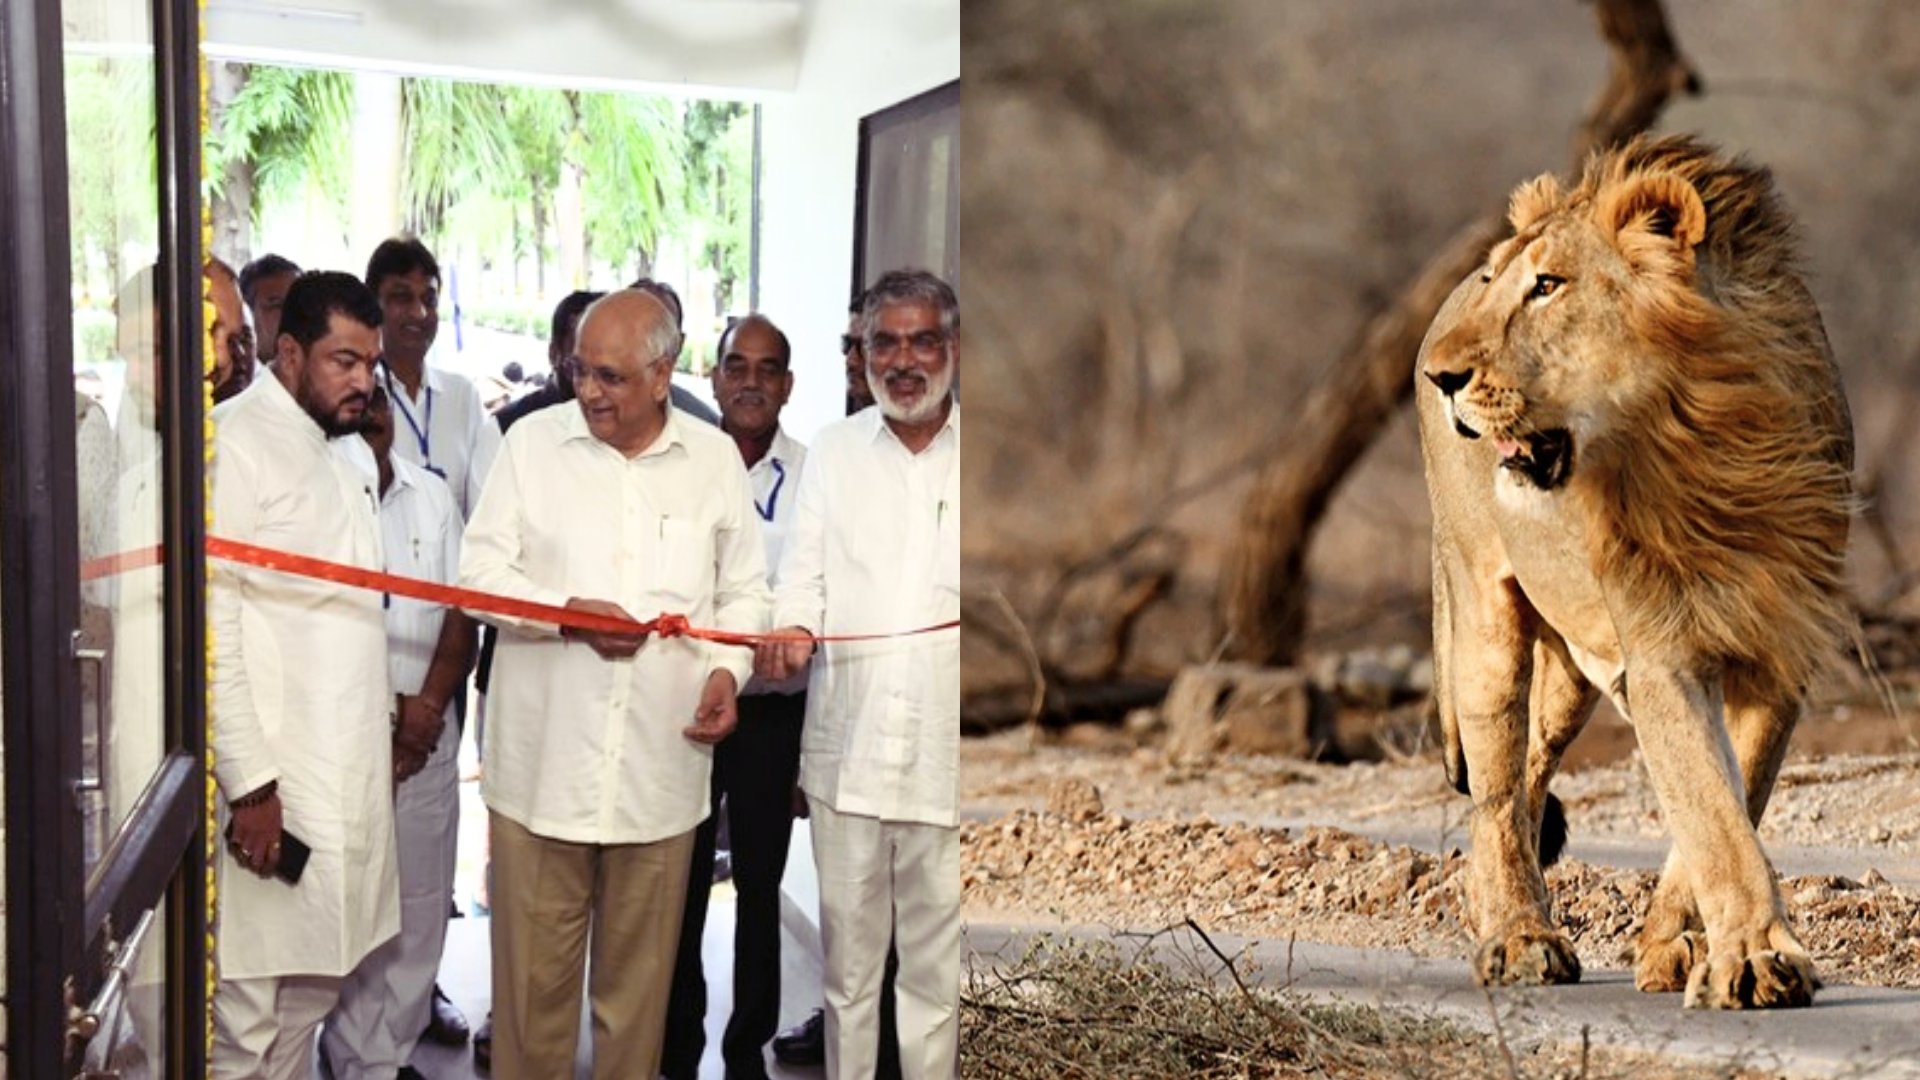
point(1101, 832)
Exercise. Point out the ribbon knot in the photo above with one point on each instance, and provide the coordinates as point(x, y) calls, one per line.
point(670, 625)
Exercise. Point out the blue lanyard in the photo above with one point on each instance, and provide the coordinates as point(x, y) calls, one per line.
point(773, 497)
point(419, 433)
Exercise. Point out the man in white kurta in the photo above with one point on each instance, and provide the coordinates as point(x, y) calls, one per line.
point(599, 744)
point(384, 1005)
point(301, 712)
point(876, 550)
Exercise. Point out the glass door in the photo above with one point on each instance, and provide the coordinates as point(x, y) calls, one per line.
point(101, 524)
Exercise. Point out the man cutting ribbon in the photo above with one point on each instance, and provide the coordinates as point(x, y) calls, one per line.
point(617, 506)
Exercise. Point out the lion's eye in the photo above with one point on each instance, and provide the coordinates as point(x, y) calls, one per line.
point(1545, 285)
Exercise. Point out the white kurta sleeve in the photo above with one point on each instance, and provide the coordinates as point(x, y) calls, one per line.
point(493, 550)
point(242, 759)
point(801, 599)
point(741, 599)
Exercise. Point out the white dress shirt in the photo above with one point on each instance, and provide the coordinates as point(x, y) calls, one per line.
point(445, 430)
point(580, 748)
point(420, 533)
point(300, 695)
point(876, 550)
point(775, 479)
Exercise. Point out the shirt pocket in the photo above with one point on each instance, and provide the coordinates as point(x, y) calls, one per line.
point(946, 550)
point(683, 566)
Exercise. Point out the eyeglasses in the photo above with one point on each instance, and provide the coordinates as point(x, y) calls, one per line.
point(925, 345)
point(849, 343)
point(578, 372)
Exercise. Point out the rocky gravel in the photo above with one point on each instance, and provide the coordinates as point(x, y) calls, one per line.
point(1102, 833)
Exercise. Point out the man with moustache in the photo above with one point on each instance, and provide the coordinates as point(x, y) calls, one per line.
point(756, 766)
point(302, 719)
point(441, 424)
point(263, 285)
point(384, 1006)
point(598, 754)
point(875, 550)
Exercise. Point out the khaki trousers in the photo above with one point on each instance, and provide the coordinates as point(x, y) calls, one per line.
point(550, 899)
point(880, 881)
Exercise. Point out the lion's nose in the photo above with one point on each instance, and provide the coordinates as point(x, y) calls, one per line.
point(1450, 382)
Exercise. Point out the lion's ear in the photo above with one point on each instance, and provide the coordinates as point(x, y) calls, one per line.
point(1532, 200)
point(1657, 219)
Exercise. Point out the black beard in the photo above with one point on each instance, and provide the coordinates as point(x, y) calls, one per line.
point(334, 427)
point(339, 429)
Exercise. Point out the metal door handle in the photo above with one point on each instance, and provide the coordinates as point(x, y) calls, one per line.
point(96, 659)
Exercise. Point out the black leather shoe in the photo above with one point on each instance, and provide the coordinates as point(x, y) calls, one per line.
point(446, 1026)
point(805, 1043)
point(483, 1045)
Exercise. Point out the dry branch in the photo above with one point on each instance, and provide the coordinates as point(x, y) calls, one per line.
point(1262, 597)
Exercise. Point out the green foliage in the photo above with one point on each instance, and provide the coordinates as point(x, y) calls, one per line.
point(295, 125)
point(111, 166)
point(720, 191)
point(498, 166)
point(460, 143)
point(94, 334)
point(629, 149)
point(531, 319)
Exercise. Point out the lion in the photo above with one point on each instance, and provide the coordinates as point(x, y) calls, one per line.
point(1639, 456)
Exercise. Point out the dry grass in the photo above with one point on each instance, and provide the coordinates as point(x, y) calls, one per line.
point(1071, 1008)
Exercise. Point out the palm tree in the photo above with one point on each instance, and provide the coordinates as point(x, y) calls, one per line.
point(604, 166)
point(278, 134)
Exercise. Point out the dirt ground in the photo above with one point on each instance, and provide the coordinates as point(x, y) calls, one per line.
point(1089, 828)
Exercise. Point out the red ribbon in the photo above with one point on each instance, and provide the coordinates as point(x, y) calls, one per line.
point(666, 625)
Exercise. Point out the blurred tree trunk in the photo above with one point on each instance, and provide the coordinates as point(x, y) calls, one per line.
point(1263, 590)
point(233, 211)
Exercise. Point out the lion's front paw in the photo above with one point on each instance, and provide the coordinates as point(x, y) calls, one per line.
point(1770, 979)
point(1528, 957)
point(1661, 967)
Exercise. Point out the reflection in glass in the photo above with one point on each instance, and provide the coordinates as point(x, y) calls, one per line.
point(114, 197)
point(113, 194)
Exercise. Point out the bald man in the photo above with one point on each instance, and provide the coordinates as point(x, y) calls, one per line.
point(599, 744)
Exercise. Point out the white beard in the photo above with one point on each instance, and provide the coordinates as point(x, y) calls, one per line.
point(938, 388)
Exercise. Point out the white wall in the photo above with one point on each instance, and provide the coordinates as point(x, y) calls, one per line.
point(860, 57)
point(697, 47)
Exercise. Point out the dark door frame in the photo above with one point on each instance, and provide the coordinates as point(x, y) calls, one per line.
point(946, 95)
point(57, 924)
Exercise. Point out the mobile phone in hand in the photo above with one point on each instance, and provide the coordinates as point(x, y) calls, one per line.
point(293, 856)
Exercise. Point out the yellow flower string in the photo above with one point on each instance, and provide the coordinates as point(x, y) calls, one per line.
point(206, 502)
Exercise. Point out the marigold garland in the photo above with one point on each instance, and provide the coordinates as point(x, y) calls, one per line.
point(206, 503)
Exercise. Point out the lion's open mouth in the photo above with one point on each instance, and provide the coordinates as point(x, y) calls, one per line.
point(1544, 458)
